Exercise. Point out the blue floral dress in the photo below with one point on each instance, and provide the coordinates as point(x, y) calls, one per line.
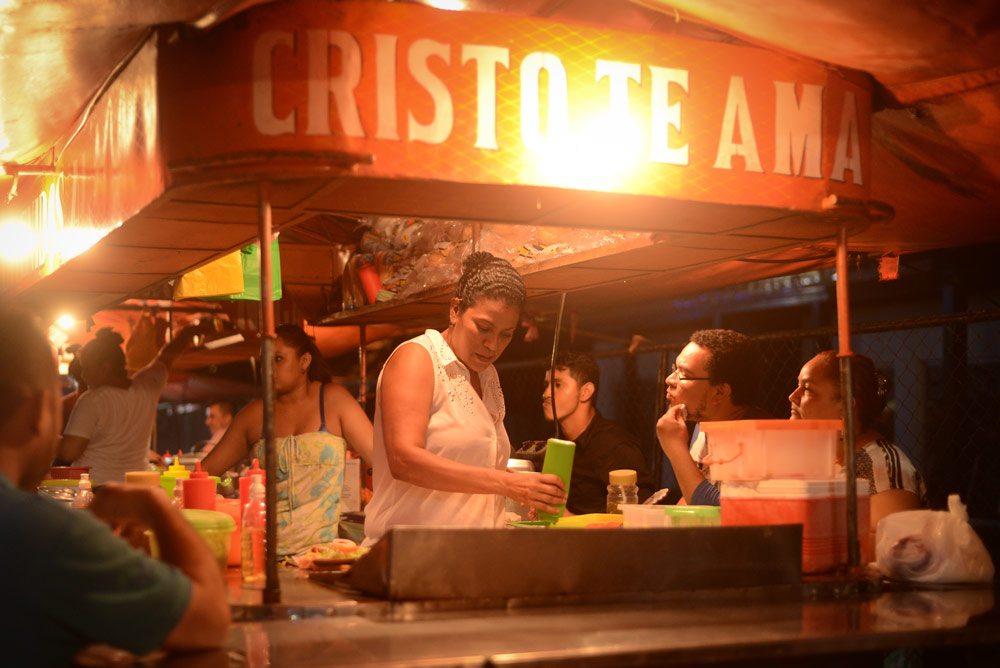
point(310, 480)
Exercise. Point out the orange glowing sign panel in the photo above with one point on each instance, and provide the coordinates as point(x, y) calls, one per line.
point(486, 98)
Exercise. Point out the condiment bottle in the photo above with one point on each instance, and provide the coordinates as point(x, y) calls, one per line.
point(246, 481)
point(558, 460)
point(622, 489)
point(253, 562)
point(199, 490)
point(84, 495)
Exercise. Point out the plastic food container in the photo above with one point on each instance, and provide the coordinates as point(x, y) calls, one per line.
point(762, 449)
point(693, 516)
point(639, 516)
point(820, 506)
point(216, 528)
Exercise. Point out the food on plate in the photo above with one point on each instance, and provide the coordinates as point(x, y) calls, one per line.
point(325, 555)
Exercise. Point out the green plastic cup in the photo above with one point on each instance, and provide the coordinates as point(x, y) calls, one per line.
point(558, 461)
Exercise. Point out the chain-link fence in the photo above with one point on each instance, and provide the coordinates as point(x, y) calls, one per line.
point(943, 378)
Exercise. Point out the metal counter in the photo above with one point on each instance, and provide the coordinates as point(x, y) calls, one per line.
point(818, 623)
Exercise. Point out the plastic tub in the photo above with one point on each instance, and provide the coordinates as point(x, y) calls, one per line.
point(762, 449)
point(215, 528)
point(820, 506)
point(693, 516)
point(639, 516)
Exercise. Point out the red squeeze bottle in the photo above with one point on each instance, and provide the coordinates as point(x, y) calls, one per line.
point(199, 490)
point(245, 481)
point(370, 281)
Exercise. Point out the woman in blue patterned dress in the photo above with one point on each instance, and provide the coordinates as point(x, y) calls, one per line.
point(315, 421)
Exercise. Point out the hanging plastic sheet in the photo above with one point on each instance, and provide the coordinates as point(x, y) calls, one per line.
point(250, 267)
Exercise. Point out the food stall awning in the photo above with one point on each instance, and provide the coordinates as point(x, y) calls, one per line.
point(175, 199)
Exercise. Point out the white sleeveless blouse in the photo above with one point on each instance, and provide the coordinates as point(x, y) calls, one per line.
point(463, 428)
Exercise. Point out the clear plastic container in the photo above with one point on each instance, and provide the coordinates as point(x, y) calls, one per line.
point(621, 489)
point(254, 527)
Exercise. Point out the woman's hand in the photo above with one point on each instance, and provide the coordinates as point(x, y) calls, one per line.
point(540, 492)
point(672, 433)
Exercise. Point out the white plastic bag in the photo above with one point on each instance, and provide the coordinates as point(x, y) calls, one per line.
point(932, 546)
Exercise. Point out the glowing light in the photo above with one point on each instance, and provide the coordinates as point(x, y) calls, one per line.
point(72, 241)
point(602, 154)
point(65, 321)
point(19, 241)
point(452, 5)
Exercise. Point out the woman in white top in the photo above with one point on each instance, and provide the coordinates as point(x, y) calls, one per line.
point(111, 422)
point(441, 449)
point(881, 467)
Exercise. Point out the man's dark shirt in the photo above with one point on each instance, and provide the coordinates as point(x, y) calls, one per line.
point(602, 447)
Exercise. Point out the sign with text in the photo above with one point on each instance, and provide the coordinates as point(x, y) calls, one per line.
point(497, 99)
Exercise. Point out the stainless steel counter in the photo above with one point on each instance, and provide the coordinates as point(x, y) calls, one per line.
point(320, 626)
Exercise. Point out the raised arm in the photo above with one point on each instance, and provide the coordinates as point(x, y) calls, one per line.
point(180, 342)
point(406, 393)
point(671, 432)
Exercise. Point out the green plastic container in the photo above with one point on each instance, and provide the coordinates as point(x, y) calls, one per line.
point(558, 461)
point(693, 516)
point(213, 526)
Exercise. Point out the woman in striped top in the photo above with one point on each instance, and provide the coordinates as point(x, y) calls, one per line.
point(893, 483)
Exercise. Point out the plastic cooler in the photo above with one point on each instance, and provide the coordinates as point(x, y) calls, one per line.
point(820, 506)
point(762, 449)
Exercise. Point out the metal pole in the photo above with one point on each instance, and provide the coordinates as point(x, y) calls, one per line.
point(662, 372)
point(363, 363)
point(272, 590)
point(552, 364)
point(847, 393)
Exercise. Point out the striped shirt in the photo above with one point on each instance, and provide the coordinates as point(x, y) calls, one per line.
point(887, 467)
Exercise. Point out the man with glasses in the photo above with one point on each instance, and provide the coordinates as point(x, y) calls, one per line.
point(714, 378)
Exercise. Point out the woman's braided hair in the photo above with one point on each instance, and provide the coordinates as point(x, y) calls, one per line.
point(485, 276)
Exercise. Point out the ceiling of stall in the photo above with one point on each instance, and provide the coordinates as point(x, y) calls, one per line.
point(935, 157)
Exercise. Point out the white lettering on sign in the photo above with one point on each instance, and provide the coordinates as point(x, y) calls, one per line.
point(486, 58)
point(618, 74)
point(263, 85)
point(544, 103)
point(322, 85)
point(666, 115)
point(385, 91)
point(737, 117)
point(798, 130)
point(847, 155)
point(557, 119)
point(441, 123)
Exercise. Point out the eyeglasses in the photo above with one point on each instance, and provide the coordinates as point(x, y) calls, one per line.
point(677, 372)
